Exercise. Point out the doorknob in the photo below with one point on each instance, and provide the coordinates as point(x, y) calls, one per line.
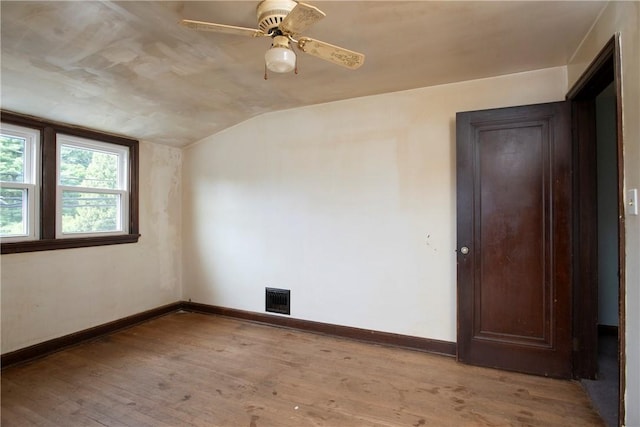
point(464, 250)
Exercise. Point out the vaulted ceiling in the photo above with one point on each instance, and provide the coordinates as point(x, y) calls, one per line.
point(128, 68)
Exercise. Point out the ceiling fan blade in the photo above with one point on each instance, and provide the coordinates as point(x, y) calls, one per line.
point(328, 52)
point(301, 17)
point(221, 28)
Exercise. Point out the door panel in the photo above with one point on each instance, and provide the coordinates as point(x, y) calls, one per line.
point(513, 188)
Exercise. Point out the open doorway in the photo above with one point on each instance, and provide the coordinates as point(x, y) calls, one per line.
point(598, 216)
point(604, 390)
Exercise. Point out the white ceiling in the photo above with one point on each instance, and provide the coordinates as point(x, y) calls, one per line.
point(129, 68)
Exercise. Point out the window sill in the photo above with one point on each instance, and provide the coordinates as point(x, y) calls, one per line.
point(55, 244)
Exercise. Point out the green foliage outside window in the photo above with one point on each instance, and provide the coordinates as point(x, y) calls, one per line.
point(12, 212)
point(12, 159)
point(11, 200)
point(86, 212)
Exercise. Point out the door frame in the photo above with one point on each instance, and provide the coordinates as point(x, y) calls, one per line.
point(603, 70)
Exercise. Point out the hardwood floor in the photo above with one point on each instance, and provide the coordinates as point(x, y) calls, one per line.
point(187, 369)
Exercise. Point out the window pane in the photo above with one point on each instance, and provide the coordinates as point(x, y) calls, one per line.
point(13, 209)
point(12, 158)
point(84, 212)
point(83, 167)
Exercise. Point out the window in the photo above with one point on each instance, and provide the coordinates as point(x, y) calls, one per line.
point(18, 183)
point(65, 187)
point(92, 187)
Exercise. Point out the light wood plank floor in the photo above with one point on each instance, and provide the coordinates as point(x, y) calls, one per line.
point(188, 369)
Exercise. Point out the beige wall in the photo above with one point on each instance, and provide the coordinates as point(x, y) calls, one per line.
point(53, 293)
point(624, 17)
point(351, 205)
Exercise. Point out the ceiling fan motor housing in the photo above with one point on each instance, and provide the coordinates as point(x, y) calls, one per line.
point(271, 13)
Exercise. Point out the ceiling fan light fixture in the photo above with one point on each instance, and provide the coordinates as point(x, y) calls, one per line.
point(280, 58)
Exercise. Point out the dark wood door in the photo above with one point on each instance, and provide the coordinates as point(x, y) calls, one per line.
point(514, 238)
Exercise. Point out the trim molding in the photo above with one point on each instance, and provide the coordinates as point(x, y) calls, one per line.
point(446, 348)
point(427, 345)
point(57, 344)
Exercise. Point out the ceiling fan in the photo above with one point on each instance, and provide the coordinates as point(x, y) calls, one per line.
point(283, 21)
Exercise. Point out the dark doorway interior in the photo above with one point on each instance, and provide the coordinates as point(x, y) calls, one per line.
point(604, 391)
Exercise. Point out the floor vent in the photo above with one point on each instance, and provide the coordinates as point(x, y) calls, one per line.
point(277, 300)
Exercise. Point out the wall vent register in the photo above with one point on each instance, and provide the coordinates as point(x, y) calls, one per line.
point(278, 300)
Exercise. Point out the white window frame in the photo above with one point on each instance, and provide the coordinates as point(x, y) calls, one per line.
point(122, 190)
point(31, 182)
